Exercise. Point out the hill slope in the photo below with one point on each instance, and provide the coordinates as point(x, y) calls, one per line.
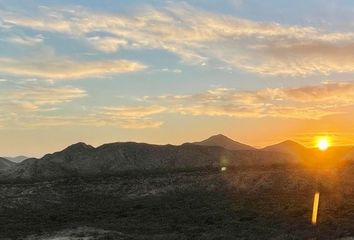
point(225, 142)
point(5, 164)
point(82, 159)
point(290, 147)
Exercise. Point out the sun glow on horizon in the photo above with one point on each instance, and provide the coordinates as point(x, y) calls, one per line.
point(323, 143)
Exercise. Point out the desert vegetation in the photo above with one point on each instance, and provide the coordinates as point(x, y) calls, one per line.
point(246, 203)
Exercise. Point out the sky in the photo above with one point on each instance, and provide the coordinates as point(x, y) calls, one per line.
point(164, 72)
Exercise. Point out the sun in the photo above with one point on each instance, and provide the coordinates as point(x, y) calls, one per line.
point(323, 143)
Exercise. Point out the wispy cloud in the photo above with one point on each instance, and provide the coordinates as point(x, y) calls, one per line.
point(305, 57)
point(25, 40)
point(120, 117)
point(326, 99)
point(66, 68)
point(29, 96)
point(309, 102)
point(107, 44)
point(131, 117)
point(198, 36)
point(24, 100)
point(35, 103)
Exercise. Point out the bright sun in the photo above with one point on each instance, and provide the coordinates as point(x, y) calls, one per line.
point(323, 143)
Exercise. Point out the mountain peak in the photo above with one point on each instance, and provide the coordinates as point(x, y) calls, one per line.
point(221, 140)
point(288, 146)
point(80, 146)
point(290, 142)
point(219, 136)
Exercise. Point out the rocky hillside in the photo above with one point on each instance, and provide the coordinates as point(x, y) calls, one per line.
point(248, 203)
point(5, 164)
point(83, 159)
point(290, 147)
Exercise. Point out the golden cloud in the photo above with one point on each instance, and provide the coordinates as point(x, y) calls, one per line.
point(34, 104)
point(309, 102)
point(35, 95)
point(66, 68)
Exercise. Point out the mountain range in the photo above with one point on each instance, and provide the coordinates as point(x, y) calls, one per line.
point(217, 151)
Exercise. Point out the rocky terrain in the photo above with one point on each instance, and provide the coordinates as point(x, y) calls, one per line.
point(81, 159)
point(192, 191)
point(248, 203)
point(5, 165)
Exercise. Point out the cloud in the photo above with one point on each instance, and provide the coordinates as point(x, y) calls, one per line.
point(25, 40)
point(131, 117)
point(337, 92)
point(65, 68)
point(309, 102)
point(30, 96)
point(107, 44)
point(137, 117)
point(132, 112)
point(301, 58)
point(36, 103)
point(23, 102)
point(88, 120)
point(198, 36)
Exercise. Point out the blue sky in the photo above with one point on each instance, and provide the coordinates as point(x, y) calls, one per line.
point(174, 71)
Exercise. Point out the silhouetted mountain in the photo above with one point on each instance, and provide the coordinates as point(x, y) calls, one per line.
point(286, 146)
point(295, 149)
point(16, 159)
point(5, 164)
point(82, 159)
point(225, 142)
point(333, 155)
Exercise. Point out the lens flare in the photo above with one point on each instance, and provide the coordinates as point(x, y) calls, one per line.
point(316, 200)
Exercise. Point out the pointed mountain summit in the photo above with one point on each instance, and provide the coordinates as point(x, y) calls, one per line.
point(225, 142)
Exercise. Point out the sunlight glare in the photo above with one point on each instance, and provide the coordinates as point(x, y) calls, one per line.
point(323, 143)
